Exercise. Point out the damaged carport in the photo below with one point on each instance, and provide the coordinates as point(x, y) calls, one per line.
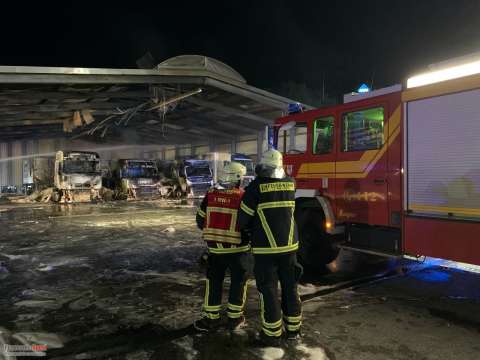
point(184, 100)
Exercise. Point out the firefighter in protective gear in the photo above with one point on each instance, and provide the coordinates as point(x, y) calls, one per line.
point(227, 249)
point(267, 211)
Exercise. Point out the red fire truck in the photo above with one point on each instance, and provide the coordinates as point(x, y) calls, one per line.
point(393, 171)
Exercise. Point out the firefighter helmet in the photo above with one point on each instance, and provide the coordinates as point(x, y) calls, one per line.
point(233, 172)
point(272, 158)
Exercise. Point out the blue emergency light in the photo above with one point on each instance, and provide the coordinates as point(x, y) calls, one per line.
point(363, 89)
point(294, 108)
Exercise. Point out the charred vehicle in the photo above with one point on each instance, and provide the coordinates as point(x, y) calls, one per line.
point(173, 185)
point(198, 176)
point(137, 178)
point(77, 176)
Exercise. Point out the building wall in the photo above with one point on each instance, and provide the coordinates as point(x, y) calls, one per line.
point(13, 154)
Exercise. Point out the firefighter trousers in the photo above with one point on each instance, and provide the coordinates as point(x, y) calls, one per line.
point(217, 266)
point(269, 270)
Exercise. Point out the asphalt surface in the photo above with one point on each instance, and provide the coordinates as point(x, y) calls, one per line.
point(123, 281)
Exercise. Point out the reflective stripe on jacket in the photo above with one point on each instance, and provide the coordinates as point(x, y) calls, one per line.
point(217, 217)
point(267, 210)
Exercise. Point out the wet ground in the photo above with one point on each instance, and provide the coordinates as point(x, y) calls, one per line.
point(122, 281)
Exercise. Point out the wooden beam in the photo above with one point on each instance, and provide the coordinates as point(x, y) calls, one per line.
point(64, 95)
point(4, 123)
point(66, 107)
point(35, 116)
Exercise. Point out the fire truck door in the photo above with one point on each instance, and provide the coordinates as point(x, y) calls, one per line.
point(321, 167)
point(361, 166)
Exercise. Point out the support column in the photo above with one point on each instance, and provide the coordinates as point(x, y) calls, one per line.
point(10, 164)
point(211, 145)
point(292, 138)
point(260, 141)
point(192, 151)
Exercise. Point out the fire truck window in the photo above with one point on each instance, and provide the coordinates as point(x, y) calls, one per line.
point(323, 135)
point(293, 141)
point(363, 130)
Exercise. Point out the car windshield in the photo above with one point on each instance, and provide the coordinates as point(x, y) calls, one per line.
point(139, 171)
point(198, 171)
point(77, 166)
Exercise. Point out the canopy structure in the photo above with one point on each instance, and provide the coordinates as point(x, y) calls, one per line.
point(185, 99)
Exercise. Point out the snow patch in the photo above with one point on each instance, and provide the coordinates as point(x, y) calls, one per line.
point(139, 355)
point(44, 267)
point(272, 353)
point(306, 289)
point(186, 343)
point(313, 353)
point(15, 257)
point(44, 304)
point(81, 261)
point(52, 341)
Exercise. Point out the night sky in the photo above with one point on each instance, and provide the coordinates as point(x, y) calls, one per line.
point(269, 42)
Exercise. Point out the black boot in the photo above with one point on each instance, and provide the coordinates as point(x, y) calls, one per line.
point(236, 324)
point(293, 335)
point(269, 341)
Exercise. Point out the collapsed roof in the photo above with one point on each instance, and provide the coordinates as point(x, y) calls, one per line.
point(185, 99)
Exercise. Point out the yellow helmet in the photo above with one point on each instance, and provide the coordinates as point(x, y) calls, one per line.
point(232, 172)
point(272, 158)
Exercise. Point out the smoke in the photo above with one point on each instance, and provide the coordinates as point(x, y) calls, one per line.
point(21, 157)
point(94, 149)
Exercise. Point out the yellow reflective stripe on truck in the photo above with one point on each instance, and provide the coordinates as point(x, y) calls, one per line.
point(445, 209)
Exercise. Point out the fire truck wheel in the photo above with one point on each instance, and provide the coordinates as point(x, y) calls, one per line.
point(317, 248)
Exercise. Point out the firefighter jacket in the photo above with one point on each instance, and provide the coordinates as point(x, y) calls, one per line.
point(267, 211)
point(217, 217)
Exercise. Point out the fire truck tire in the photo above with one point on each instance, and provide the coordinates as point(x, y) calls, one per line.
point(317, 248)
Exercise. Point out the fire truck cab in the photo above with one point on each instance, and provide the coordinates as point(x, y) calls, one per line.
point(389, 172)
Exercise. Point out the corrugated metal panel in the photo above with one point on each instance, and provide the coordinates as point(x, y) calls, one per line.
point(223, 148)
point(17, 164)
point(443, 159)
point(3, 164)
point(170, 154)
point(46, 146)
point(31, 147)
point(247, 147)
point(200, 150)
point(185, 151)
